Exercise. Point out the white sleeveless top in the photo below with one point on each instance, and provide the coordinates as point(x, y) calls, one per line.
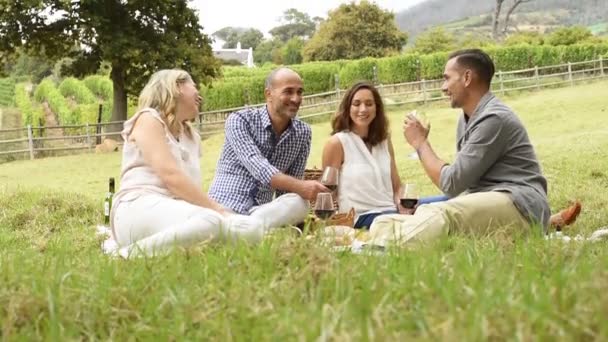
point(138, 178)
point(365, 177)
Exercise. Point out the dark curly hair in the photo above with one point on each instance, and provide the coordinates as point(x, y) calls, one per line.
point(378, 129)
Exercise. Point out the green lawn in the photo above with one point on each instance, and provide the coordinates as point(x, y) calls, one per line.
point(55, 284)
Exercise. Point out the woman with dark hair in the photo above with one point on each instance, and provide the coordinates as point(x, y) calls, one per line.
point(361, 148)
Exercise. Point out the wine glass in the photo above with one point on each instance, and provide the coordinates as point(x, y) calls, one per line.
point(324, 205)
point(422, 118)
point(409, 195)
point(330, 178)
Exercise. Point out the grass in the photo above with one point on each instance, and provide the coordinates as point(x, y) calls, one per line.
point(55, 284)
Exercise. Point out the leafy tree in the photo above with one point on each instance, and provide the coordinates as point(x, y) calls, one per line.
point(570, 35)
point(249, 38)
point(26, 66)
point(264, 52)
point(296, 24)
point(355, 31)
point(136, 37)
point(434, 40)
point(292, 51)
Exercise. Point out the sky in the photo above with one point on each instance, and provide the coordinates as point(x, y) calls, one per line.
point(265, 14)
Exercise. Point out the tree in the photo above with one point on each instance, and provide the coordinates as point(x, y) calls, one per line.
point(292, 51)
point(509, 12)
point(249, 38)
point(136, 37)
point(434, 40)
point(264, 52)
point(355, 31)
point(296, 24)
point(496, 17)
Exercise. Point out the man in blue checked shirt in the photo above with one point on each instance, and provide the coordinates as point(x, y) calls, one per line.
point(264, 156)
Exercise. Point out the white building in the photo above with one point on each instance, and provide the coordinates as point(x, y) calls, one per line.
point(245, 57)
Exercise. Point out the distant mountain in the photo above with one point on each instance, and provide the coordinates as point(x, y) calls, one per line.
point(533, 15)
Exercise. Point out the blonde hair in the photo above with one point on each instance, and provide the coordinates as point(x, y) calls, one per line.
point(161, 93)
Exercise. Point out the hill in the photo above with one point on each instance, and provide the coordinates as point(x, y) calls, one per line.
point(538, 15)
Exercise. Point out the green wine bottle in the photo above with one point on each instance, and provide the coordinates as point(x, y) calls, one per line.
point(107, 202)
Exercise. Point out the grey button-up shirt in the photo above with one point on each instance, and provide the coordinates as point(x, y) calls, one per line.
point(495, 154)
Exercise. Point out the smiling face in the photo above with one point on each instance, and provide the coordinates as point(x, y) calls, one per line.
point(284, 96)
point(188, 102)
point(454, 83)
point(362, 109)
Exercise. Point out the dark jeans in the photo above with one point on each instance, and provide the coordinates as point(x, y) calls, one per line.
point(365, 221)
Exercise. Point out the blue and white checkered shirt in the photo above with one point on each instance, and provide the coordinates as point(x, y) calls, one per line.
point(252, 154)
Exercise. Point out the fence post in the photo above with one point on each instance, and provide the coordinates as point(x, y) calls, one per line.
point(536, 77)
point(88, 136)
point(30, 141)
point(98, 130)
point(423, 91)
point(247, 98)
point(502, 86)
point(601, 66)
point(337, 84)
point(375, 75)
point(570, 74)
point(200, 124)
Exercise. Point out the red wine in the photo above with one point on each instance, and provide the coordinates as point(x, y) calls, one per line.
point(409, 203)
point(324, 214)
point(331, 187)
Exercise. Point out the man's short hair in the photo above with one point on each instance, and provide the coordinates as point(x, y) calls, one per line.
point(477, 60)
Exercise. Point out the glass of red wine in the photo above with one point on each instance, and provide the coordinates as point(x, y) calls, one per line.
point(324, 205)
point(409, 196)
point(330, 178)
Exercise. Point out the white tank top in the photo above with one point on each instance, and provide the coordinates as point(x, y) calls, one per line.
point(365, 177)
point(137, 177)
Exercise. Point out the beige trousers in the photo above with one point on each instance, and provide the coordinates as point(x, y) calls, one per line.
point(477, 213)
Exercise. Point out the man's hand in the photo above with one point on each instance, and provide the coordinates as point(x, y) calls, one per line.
point(308, 189)
point(414, 132)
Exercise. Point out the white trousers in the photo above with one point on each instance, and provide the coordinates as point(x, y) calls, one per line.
point(287, 209)
point(152, 224)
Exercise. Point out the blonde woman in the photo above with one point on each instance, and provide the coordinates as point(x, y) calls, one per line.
point(161, 203)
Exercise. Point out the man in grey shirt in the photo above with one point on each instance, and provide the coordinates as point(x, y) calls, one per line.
point(495, 179)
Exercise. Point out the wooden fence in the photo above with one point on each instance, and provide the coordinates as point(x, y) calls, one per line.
point(33, 142)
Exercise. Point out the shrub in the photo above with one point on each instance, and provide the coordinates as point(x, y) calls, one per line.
point(359, 70)
point(100, 86)
point(72, 87)
point(46, 91)
point(30, 113)
point(398, 69)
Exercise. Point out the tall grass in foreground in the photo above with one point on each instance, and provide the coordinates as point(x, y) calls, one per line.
point(55, 284)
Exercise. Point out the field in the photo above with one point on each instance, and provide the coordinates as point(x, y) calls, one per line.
point(55, 284)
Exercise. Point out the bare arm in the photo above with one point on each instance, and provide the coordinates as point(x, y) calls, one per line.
point(416, 135)
point(395, 179)
point(333, 153)
point(431, 163)
point(149, 136)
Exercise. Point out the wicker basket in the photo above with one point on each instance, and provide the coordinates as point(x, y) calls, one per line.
point(342, 219)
